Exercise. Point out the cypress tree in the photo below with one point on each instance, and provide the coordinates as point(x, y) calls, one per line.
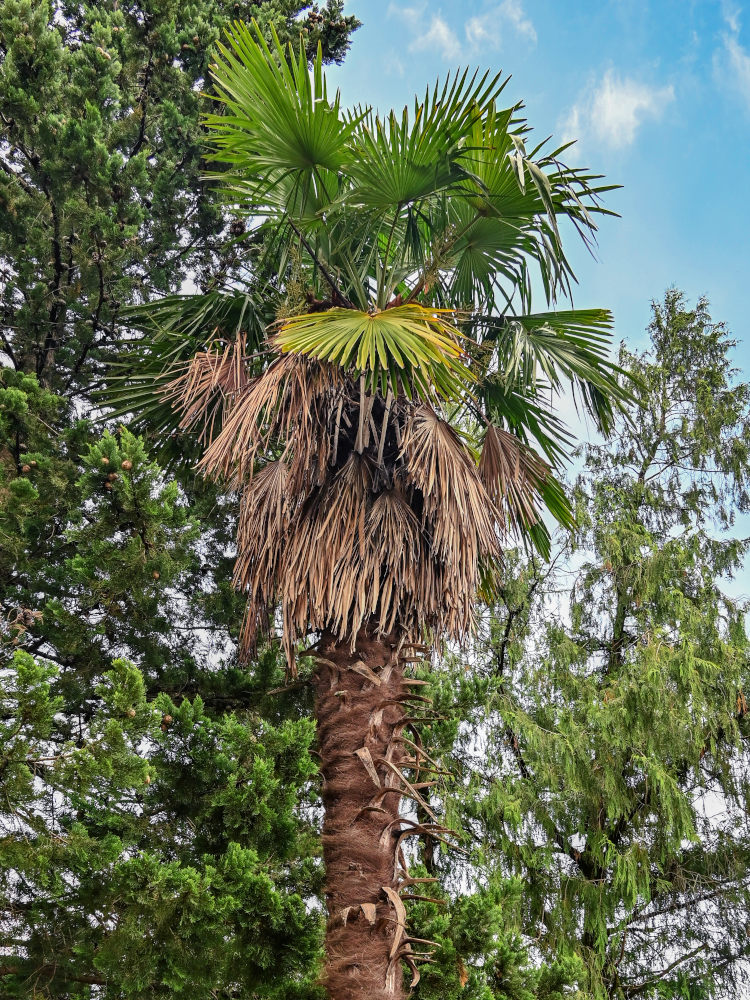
point(153, 839)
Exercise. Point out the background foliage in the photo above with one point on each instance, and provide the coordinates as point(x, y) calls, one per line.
point(601, 731)
point(153, 833)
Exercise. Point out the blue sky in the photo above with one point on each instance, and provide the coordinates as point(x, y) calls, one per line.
point(657, 95)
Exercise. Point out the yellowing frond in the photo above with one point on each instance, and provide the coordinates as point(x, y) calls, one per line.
point(409, 348)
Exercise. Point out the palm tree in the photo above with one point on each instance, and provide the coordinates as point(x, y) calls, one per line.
point(385, 408)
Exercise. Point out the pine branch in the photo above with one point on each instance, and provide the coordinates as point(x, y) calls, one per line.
point(28, 188)
point(52, 970)
point(632, 991)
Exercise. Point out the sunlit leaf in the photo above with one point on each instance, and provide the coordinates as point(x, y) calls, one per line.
point(411, 346)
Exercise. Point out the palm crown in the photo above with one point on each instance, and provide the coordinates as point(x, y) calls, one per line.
point(385, 404)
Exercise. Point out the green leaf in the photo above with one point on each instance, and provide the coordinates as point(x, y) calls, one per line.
point(397, 161)
point(176, 328)
point(280, 135)
point(571, 346)
point(422, 344)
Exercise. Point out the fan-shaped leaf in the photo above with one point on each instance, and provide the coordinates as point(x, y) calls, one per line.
point(410, 348)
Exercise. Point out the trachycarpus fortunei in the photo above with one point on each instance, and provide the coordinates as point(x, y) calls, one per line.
point(380, 431)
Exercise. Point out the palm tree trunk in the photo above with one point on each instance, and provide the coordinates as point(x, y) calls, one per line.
point(360, 712)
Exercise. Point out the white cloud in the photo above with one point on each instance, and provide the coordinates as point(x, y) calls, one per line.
point(739, 63)
point(431, 31)
point(732, 64)
point(512, 10)
point(394, 66)
point(487, 28)
point(615, 109)
point(438, 36)
point(731, 16)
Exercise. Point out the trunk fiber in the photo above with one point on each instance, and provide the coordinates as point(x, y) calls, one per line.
point(361, 716)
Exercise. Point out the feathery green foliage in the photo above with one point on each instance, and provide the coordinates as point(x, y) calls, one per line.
point(152, 851)
point(601, 737)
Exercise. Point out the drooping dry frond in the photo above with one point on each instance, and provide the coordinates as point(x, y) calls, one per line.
point(284, 405)
point(208, 386)
point(359, 508)
point(512, 475)
point(320, 585)
point(399, 560)
point(264, 517)
point(455, 502)
point(368, 512)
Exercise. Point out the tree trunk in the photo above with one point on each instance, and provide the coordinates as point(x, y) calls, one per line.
point(361, 716)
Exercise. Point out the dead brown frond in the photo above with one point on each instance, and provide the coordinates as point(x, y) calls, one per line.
point(207, 387)
point(264, 517)
point(457, 513)
point(263, 520)
point(357, 510)
point(397, 563)
point(288, 405)
point(513, 475)
point(320, 586)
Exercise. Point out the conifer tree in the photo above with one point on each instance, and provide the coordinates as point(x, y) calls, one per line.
point(136, 859)
point(602, 737)
point(101, 199)
point(102, 205)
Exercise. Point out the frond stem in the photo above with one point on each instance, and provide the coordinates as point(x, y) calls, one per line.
point(386, 414)
point(338, 296)
point(382, 279)
point(423, 280)
point(359, 447)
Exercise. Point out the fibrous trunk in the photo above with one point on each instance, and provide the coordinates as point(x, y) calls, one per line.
point(362, 699)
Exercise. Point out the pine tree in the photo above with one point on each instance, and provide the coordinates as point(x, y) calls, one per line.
point(101, 151)
point(154, 851)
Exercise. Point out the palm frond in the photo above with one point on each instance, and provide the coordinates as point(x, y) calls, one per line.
point(207, 387)
point(571, 346)
point(529, 417)
point(513, 476)
point(396, 162)
point(161, 339)
point(287, 408)
point(278, 133)
point(440, 466)
point(398, 563)
point(265, 511)
point(408, 348)
point(508, 213)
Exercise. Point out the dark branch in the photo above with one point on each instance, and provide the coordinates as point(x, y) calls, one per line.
point(338, 296)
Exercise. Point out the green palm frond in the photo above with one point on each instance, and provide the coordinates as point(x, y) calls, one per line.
point(281, 137)
point(408, 348)
point(530, 417)
point(569, 346)
point(176, 329)
point(395, 162)
point(508, 213)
